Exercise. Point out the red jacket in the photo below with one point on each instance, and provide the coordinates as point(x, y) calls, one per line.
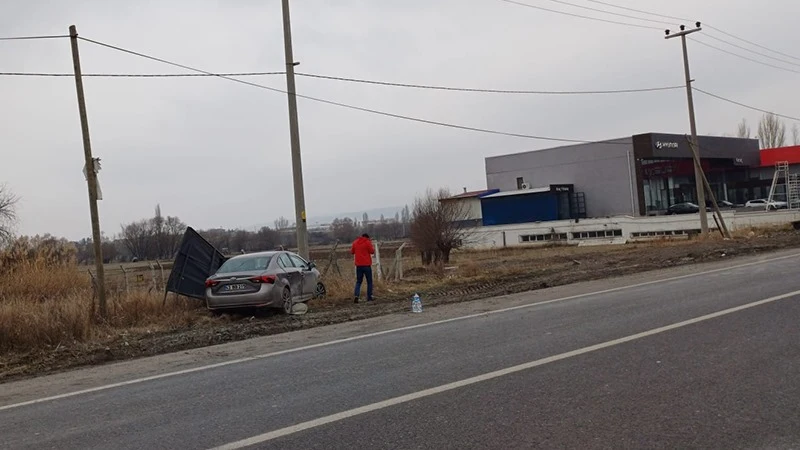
point(362, 249)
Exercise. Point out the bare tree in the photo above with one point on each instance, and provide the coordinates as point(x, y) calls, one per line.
point(173, 233)
point(8, 212)
point(344, 230)
point(439, 226)
point(281, 223)
point(137, 238)
point(771, 131)
point(743, 130)
point(795, 134)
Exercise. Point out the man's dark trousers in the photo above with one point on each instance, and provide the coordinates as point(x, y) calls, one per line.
point(361, 273)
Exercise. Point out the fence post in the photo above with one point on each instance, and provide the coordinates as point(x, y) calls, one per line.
point(161, 268)
point(378, 260)
point(125, 277)
point(153, 276)
point(398, 260)
point(333, 260)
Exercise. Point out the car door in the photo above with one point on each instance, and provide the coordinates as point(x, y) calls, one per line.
point(293, 275)
point(309, 277)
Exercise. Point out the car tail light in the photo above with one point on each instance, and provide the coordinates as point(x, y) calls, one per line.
point(270, 279)
point(211, 283)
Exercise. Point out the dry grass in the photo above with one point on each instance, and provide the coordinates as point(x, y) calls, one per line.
point(47, 303)
point(44, 307)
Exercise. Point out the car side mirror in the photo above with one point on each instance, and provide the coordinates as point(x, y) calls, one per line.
point(311, 266)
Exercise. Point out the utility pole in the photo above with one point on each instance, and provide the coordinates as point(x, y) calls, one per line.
point(698, 168)
point(294, 131)
point(91, 174)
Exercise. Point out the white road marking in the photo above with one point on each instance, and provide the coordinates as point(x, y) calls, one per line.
point(486, 377)
point(380, 333)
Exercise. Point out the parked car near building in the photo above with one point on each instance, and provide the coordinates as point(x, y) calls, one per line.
point(762, 203)
point(723, 204)
point(266, 279)
point(683, 208)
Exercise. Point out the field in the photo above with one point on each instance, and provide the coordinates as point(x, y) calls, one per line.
point(47, 322)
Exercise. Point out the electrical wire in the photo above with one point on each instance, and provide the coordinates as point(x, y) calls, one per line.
point(752, 43)
point(744, 57)
point(31, 38)
point(351, 80)
point(707, 25)
point(670, 17)
point(627, 16)
point(138, 75)
point(752, 51)
point(491, 91)
point(581, 16)
point(347, 106)
point(664, 16)
point(719, 97)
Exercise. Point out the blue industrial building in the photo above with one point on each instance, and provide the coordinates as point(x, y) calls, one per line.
point(555, 202)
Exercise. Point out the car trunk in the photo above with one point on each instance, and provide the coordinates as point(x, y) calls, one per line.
point(236, 283)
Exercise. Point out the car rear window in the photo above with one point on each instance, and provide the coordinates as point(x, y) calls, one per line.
point(245, 264)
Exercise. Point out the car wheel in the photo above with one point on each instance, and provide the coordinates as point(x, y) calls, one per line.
point(320, 291)
point(286, 298)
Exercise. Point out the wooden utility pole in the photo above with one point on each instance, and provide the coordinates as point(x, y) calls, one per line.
point(721, 222)
point(698, 169)
point(294, 131)
point(91, 175)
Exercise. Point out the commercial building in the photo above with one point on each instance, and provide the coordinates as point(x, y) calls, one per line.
point(469, 204)
point(638, 175)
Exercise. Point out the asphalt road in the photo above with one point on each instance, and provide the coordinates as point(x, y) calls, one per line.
point(689, 362)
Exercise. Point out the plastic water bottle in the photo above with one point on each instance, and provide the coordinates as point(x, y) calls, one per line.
point(416, 304)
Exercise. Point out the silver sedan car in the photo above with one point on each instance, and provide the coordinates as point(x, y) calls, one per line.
point(266, 279)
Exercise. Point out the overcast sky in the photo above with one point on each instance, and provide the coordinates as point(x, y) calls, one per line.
point(216, 153)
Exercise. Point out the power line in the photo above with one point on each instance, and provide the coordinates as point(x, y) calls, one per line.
point(664, 16)
point(138, 75)
point(709, 26)
point(752, 51)
point(753, 43)
point(491, 91)
point(352, 107)
point(719, 97)
point(657, 15)
point(31, 38)
point(744, 57)
point(351, 80)
point(589, 8)
point(581, 16)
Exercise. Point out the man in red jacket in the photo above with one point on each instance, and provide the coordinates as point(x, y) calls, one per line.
point(362, 251)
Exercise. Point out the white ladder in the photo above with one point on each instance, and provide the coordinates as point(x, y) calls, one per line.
point(781, 171)
point(793, 191)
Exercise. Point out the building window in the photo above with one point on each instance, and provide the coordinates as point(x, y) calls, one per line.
point(601, 234)
point(664, 233)
point(519, 182)
point(543, 237)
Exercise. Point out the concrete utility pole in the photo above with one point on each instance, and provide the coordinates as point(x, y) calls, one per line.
point(91, 175)
point(698, 168)
point(297, 162)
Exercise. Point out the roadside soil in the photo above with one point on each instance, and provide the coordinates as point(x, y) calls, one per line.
point(473, 276)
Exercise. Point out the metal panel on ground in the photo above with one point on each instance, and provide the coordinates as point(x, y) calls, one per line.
point(197, 260)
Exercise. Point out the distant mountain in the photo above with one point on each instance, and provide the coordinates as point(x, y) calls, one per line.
point(373, 214)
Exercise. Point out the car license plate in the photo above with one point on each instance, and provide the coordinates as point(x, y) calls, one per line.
point(234, 287)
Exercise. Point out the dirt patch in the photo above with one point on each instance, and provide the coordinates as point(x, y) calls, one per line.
point(473, 275)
